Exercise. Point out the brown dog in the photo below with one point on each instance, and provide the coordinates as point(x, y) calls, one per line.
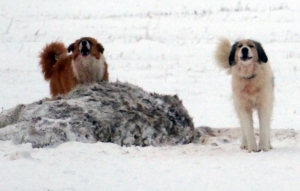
point(252, 86)
point(85, 65)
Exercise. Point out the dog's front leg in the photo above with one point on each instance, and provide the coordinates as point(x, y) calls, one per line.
point(264, 115)
point(246, 121)
point(244, 142)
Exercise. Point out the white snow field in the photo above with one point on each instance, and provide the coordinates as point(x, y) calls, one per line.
point(165, 47)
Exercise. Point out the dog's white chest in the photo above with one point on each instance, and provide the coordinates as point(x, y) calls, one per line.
point(89, 70)
point(247, 91)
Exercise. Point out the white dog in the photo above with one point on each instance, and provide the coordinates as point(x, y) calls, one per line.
point(252, 86)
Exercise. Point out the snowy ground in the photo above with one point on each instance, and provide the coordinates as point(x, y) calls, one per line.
point(166, 47)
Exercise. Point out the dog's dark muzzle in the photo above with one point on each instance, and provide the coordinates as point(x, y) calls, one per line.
point(85, 48)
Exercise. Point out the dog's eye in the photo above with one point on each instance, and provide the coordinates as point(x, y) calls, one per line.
point(240, 46)
point(251, 46)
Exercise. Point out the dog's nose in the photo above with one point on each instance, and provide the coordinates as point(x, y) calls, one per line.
point(245, 51)
point(84, 43)
point(84, 48)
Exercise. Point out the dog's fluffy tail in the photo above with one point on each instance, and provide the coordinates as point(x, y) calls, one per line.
point(49, 56)
point(222, 53)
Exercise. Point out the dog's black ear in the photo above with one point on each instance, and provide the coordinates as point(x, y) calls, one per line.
point(232, 54)
point(262, 57)
point(100, 48)
point(71, 47)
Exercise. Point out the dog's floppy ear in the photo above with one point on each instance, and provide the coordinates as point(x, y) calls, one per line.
point(71, 47)
point(100, 48)
point(232, 54)
point(262, 57)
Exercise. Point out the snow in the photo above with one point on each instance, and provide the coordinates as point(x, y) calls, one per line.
point(165, 47)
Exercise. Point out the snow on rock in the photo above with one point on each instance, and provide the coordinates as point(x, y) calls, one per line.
point(116, 112)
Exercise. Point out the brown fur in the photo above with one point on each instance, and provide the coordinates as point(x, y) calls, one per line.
point(66, 71)
point(252, 86)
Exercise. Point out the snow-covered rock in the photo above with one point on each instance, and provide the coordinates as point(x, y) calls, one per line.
point(108, 112)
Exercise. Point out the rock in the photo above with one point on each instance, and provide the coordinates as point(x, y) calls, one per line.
point(115, 112)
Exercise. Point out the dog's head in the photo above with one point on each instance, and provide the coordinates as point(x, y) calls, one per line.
point(246, 52)
point(85, 47)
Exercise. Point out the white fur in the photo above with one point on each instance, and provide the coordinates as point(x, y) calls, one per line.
point(250, 94)
point(87, 67)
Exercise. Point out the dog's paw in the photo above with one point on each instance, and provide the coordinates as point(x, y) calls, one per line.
point(244, 147)
point(252, 148)
point(244, 144)
point(264, 147)
point(255, 150)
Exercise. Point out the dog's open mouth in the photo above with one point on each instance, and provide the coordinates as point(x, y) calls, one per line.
point(245, 58)
point(84, 51)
